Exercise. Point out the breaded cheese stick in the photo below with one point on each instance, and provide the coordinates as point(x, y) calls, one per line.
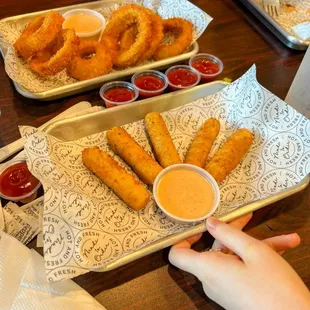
point(199, 149)
point(230, 154)
point(133, 154)
point(123, 184)
point(165, 151)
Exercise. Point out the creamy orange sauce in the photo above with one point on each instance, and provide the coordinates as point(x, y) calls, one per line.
point(185, 193)
point(82, 23)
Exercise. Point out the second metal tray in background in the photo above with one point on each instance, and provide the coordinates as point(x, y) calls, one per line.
point(283, 35)
point(97, 82)
point(81, 126)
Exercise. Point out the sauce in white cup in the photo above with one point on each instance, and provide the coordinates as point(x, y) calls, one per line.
point(186, 193)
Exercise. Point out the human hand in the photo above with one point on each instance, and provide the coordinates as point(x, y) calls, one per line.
point(255, 278)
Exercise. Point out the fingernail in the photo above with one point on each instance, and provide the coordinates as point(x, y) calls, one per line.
point(212, 222)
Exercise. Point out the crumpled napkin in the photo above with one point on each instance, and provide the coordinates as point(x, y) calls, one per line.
point(23, 283)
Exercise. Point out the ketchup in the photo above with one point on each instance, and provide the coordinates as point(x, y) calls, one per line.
point(152, 84)
point(205, 66)
point(182, 77)
point(119, 94)
point(16, 180)
point(149, 82)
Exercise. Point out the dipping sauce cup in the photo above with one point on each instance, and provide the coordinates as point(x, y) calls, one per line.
point(209, 66)
point(182, 77)
point(118, 93)
point(17, 183)
point(186, 193)
point(149, 83)
point(87, 24)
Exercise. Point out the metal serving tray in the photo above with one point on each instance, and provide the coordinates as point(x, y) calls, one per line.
point(81, 126)
point(284, 36)
point(97, 82)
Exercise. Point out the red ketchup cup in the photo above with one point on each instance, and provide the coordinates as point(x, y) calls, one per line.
point(182, 77)
point(118, 93)
point(17, 183)
point(149, 83)
point(208, 66)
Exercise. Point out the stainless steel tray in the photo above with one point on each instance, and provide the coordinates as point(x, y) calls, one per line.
point(83, 86)
point(284, 36)
point(82, 126)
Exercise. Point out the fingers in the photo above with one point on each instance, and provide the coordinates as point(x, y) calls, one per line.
point(241, 221)
point(181, 255)
point(205, 265)
point(284, 242)
point(234, 239)
point(184, 257)
point(188, 242)
point(239, 224)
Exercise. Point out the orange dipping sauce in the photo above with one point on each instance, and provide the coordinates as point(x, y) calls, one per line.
point(185, 194)
point(82, 23)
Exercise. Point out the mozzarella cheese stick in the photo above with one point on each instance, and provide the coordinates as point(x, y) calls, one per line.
point(165, 151)
point(133, 154)
point(199, 149)
point(230, 154)
point(123, 184)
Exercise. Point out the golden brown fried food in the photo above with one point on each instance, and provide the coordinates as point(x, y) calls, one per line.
point(38, 34)
point(133, 154)
point(121, 20)
point(91, 60)
point(184, 37)
point(199, 150)
point(157, 35)
point(123, 184)
point(111, 44)
point(128, 38)
point(162, 143)
point(230, 154)
point(57, 56)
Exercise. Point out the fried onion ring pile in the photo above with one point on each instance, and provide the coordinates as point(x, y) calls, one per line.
point(99, 63)
point(120, 21)
point(184, 37)
point(38, 34)
point(132, 35)
point(57, 56)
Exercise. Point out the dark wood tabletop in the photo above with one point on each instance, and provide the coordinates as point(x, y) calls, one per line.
point(240, 40)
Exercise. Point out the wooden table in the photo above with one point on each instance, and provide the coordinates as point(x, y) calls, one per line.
point(239, 40)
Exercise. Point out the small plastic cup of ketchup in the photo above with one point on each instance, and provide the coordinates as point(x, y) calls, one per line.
point(182, 77)
point(17, 183)
point(118, 93)
point(209, 66)
point(149, 83)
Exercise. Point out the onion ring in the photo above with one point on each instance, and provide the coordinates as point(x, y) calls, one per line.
point(157, 34)
point(111, 44)
point(121, 20)
point(38, 34)
point(57, 56)
point(129, 36)
point(100, 63)
point(182, 41)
